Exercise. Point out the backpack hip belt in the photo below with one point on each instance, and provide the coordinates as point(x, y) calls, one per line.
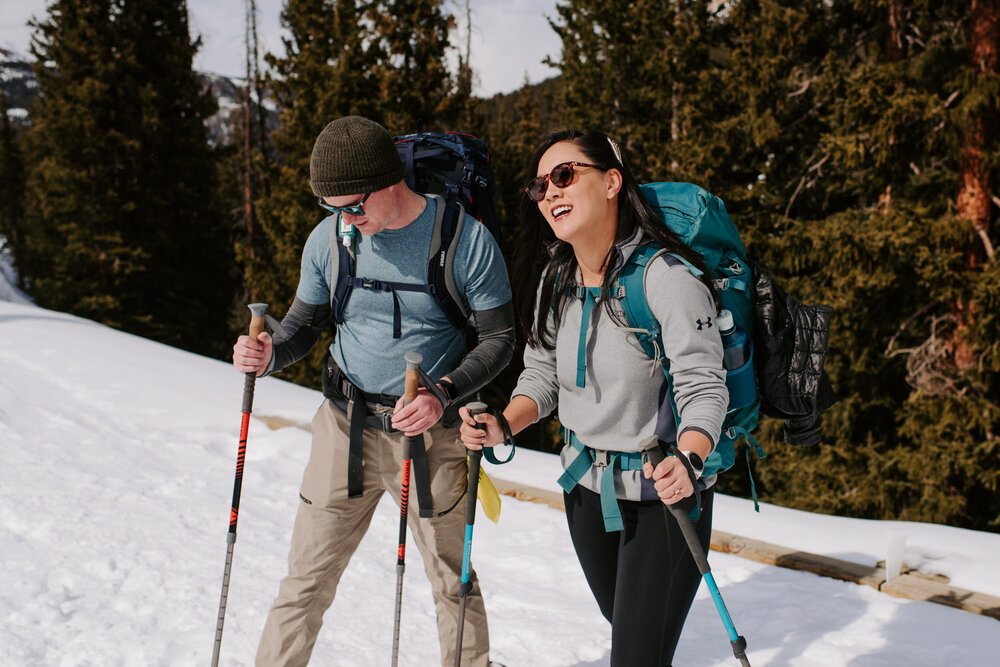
point(361, 409)
point(607, 460)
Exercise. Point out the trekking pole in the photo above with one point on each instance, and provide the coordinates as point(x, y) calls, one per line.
point(472, 490)
point(680, 511)
point(412, 381)
point(258, 312)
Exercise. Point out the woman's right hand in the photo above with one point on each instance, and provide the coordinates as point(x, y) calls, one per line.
point(252, 356)
point(475, 438)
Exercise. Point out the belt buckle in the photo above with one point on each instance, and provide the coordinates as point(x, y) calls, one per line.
point(386, 421)
point(368, 283)
point(601, 458)
point(349, 390)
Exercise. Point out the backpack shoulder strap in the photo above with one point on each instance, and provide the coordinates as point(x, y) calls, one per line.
point(342, 267)
point(448, 223)
point(632, 294)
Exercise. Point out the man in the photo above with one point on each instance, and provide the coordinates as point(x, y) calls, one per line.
point(357, 173)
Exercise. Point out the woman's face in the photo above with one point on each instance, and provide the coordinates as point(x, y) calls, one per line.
point(587, 207)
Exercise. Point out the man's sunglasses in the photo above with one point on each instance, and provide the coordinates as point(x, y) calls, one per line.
point(560, 176)
point(351, 209)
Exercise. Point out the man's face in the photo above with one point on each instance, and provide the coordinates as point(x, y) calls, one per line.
point(369, 221)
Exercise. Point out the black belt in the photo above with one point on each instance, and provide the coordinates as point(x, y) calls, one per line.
point(356, 403)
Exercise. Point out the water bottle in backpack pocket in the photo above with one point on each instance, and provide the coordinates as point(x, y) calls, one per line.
point(737, 359)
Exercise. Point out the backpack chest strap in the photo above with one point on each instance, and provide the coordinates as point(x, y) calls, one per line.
point(607, 460)
point(391, 287)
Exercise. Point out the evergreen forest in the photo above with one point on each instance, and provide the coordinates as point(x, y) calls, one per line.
point(854, 142)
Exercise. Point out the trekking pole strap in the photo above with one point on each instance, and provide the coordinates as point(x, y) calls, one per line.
point(508, 439)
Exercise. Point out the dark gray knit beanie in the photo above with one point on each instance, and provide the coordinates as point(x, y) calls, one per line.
point(351, 156)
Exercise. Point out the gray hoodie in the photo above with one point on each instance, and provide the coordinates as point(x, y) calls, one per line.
point(617, 407)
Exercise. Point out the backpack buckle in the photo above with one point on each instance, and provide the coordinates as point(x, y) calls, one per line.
point(601, 458)
point(348, 389)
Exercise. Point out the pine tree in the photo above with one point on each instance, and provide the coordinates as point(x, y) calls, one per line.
point(124, 229)
point(11, 189)
point(872, 232)
point(646, 73)
point(408, 47)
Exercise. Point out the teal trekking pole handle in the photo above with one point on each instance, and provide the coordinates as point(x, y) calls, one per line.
point(681, 511)
point(472, 490)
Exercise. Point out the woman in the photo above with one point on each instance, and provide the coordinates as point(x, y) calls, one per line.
point(582, 215)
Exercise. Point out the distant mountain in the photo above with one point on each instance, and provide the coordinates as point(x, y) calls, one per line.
point(18, 83)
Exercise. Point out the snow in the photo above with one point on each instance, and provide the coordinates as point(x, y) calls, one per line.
point(117, 458)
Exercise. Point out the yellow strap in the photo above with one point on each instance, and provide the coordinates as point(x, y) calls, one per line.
point(488, 497)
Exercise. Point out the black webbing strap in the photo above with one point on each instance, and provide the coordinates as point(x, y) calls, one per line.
point(355, 453)
point(422, 476)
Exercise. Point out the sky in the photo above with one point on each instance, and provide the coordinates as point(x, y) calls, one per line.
point(117, 459)
point(510, 37)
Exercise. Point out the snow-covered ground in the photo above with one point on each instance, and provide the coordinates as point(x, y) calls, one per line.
point(117, 458)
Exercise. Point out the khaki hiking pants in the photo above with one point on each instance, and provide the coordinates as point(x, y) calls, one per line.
point(329, 526)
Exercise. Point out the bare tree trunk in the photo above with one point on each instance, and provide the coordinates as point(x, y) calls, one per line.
point(675, 95)
point(251, 9)
point(895, 48)
point(976, 191)
point(975, 186)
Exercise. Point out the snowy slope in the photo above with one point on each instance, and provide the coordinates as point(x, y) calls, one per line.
point(116, 467)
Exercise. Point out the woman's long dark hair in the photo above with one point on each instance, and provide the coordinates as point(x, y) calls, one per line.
point(538, 252)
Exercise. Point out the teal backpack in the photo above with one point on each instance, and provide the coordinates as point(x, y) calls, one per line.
point(701, 221)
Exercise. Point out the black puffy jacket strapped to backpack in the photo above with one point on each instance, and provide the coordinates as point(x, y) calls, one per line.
point(791, 341)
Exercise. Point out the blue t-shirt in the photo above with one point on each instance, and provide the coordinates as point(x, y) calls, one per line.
point(364, 347)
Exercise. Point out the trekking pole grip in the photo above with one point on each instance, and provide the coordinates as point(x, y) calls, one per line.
point(258, 311)
point(412, 380)
point(682, 509)
point(475, 461)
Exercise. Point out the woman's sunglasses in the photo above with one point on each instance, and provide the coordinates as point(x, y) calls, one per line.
point(560, 176)
point(351, 209)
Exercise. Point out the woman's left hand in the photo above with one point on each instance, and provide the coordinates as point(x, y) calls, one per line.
point(671, 480)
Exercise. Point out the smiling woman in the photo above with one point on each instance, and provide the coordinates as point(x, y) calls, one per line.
point(582, 217)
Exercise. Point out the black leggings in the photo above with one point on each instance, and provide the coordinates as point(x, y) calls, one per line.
point(644, 578)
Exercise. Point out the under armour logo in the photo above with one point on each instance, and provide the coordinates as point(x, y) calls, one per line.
point(707, 323)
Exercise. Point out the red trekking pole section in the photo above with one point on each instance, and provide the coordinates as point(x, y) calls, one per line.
point(258, 311)
point(412, 382)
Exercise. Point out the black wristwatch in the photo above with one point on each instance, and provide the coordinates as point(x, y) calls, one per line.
point(696, 463)
point(449, 391)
